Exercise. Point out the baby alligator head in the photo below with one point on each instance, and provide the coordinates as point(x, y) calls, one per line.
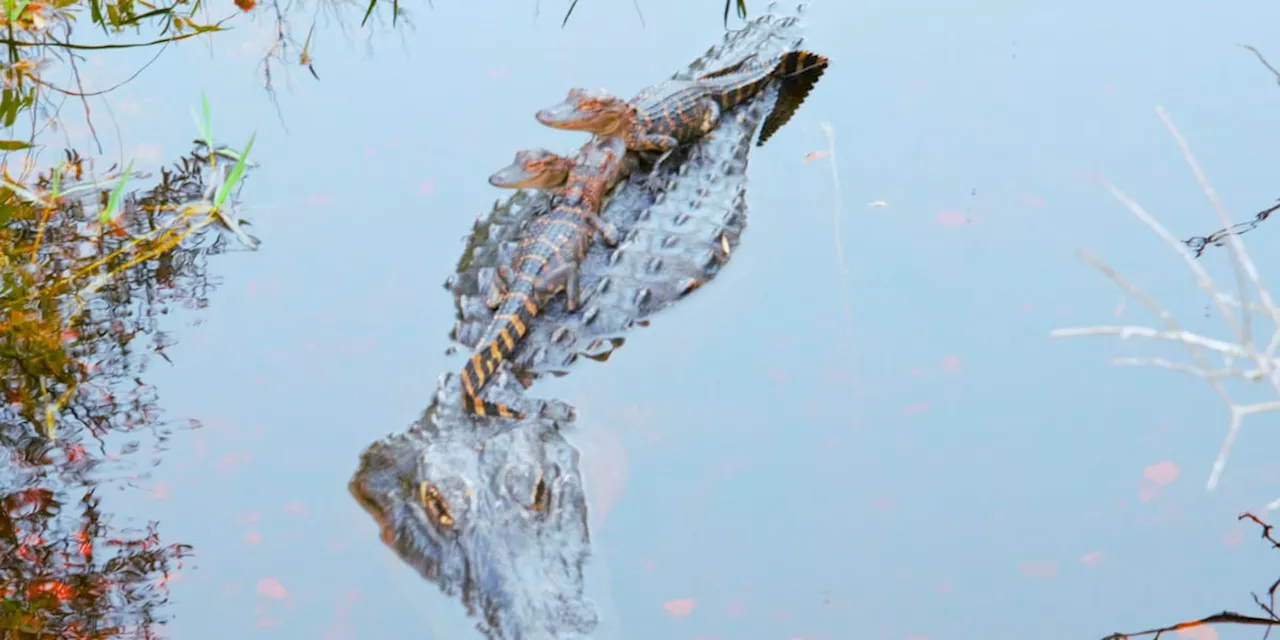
point(499, 519)
point(591, 110)
point(533, 169)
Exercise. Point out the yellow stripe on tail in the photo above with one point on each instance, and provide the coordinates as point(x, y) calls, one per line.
point(798, 72)
point(484, 362)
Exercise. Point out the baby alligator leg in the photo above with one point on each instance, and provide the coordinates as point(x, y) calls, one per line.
point(564, 277)
point(705, 115)
point(498, 288)
point(605, 229)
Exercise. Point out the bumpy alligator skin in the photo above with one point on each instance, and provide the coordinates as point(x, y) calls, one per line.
point(458, 497)
point(497, 518)
point(672, 243)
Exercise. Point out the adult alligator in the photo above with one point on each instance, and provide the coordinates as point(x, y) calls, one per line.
point(462, 505)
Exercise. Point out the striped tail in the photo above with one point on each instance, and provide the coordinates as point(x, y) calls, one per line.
point(508, 327)
point(798, 71)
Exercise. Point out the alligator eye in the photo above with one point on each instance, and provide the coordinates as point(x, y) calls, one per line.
point(541, 496)
point(436, 506)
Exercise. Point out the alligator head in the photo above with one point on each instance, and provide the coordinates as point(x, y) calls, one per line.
point(593, 110)
point(497, 518)
point(533, 169)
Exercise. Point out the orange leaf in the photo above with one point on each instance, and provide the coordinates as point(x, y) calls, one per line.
point(679, 608)
point(1161, 473)
point(269, 588)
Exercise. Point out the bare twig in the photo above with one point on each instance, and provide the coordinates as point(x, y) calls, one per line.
point(1226, 617)
point(1241, 345)
point(829, 132)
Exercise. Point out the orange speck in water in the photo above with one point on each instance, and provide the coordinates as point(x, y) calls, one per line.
point(916, 409)
point(649, 567)
point(160, 491)
point(814, 155)
point(1197, 632)
point(734, 609)
point(1046, 569)
point(679, 608)
point(950, 219)
point(229, 461)
point(1161, 473)
point(294, 507)
point(1093, 557)
point(1146, 494)
point(270, 588)
point(426, 187)
point(252, 537)
point(950, 364)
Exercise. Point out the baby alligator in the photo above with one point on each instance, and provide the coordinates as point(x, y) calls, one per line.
point(545, 263)
point(663, 116)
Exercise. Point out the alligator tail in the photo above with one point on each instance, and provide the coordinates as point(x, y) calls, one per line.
point(797, 72)
point(509, 326)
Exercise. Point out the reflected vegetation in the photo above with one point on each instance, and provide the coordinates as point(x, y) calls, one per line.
point(492, 511)
point(87, 271)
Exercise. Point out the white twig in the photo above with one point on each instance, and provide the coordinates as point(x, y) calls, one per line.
point(1265, 365)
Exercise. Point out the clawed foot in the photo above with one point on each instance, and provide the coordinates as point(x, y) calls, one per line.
point(559, 412)
point(498, 287)
point(605, 229)
point(653, 180)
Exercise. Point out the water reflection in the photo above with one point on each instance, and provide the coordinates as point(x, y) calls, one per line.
point(84, 286)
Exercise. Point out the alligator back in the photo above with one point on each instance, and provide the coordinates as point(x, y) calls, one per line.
point(673, 242)
point(497, 565)
point(678, 107)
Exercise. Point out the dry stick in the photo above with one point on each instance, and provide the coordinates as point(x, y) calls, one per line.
point(1226, 617)
point(1204, 281)
point(1242, 266)
point(830, 133)
point(1240, 260)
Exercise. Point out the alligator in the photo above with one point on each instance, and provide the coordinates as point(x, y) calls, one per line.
point(498, 519)
point(545, 264)
point(483, 543)
point(663, 116)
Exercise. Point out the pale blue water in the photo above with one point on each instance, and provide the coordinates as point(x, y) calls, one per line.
point(937, 467)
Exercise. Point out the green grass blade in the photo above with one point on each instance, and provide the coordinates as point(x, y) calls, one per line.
point(208, 121)
point(16, 10)
point(57, 182)
point(114, 202)
point(224, 191)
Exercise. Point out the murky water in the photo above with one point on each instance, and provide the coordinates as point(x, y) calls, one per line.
point(889, 446)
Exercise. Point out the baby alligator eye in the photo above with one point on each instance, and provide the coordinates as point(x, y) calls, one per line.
point(436, 506)
point(541, 496)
